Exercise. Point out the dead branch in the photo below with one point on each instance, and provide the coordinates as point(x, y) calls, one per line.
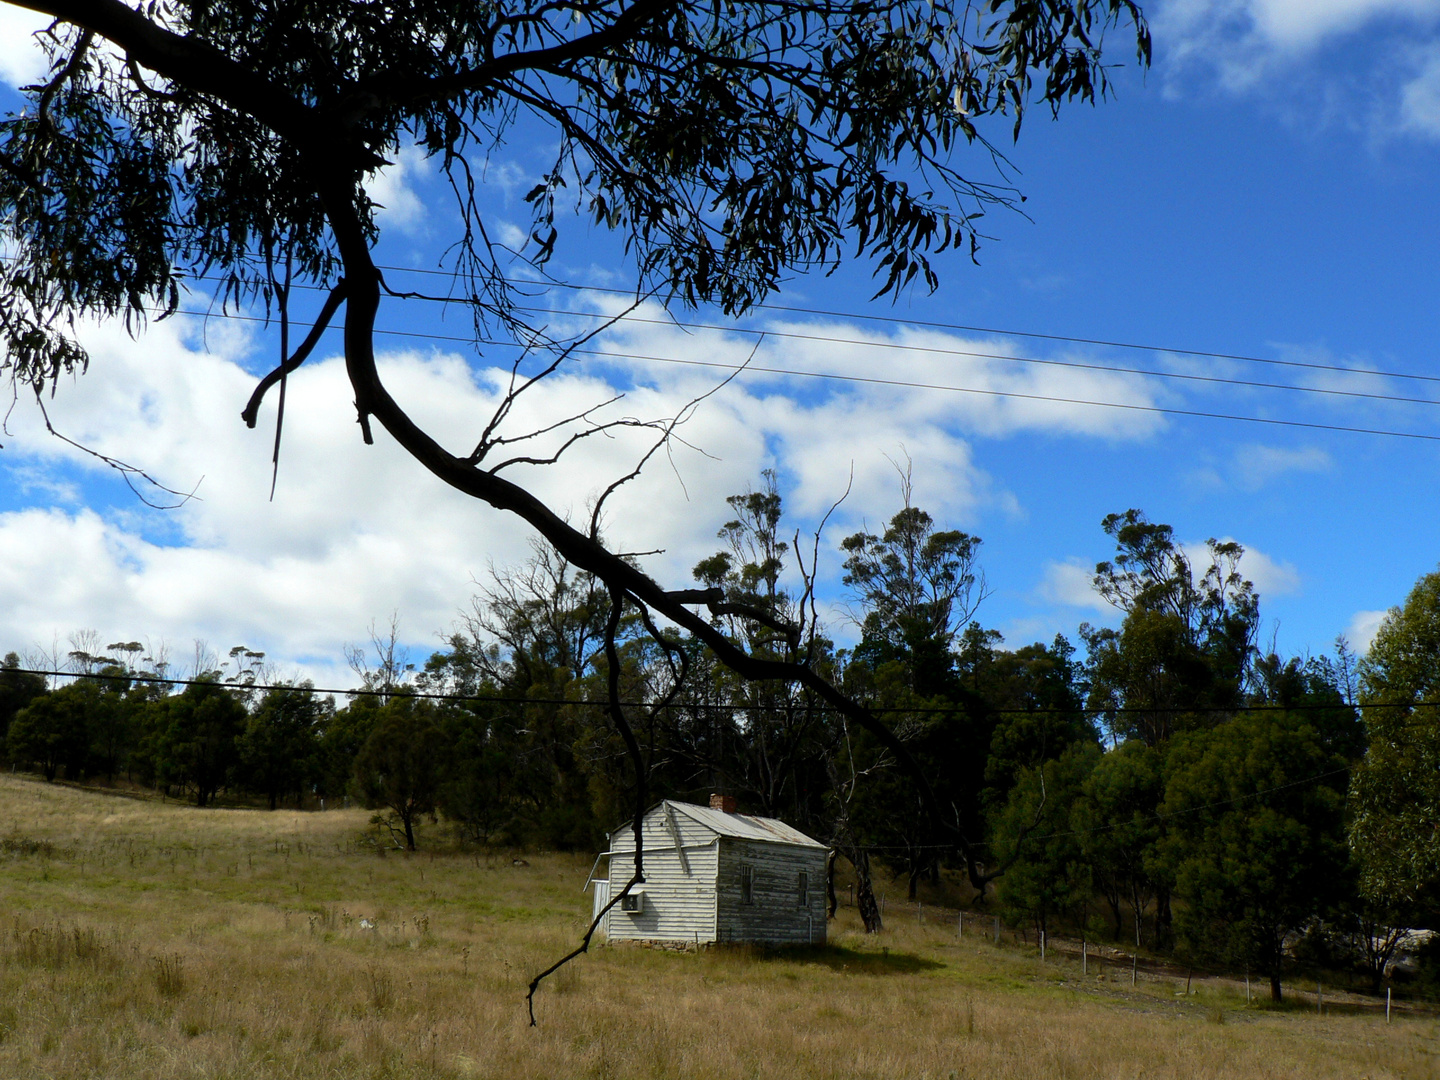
point(128, 473)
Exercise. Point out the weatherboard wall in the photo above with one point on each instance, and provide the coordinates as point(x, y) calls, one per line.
point(679, 906)
point(775, 914)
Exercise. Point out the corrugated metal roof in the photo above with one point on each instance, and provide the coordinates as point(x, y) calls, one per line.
point(745, 827)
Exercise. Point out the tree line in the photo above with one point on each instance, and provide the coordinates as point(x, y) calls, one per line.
point(1167, 782)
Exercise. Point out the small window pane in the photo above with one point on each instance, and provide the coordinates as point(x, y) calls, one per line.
point(747, 884)
point(802, 889)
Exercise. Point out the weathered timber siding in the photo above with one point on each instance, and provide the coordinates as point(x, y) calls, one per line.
point(657, 836)
point(774, 917)
point(678, 906)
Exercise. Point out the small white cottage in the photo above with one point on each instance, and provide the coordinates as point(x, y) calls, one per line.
point(714, 875)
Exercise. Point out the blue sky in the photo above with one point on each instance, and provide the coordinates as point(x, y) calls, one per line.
point(1267, 189)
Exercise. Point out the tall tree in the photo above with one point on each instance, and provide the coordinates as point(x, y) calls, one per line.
point(1395, 792)
point(279, 744)
point(193, 736)
point(1048, 874)
point(52, 732)
point(1184, 650)
point(1118, 814)
point(399, 767)
point(17, 689)
point(916, 586)
point(1255, 842)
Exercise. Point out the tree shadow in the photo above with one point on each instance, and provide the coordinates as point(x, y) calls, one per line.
point(840, 959)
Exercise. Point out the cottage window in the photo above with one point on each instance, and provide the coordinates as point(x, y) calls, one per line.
point(802, 889)
point(747, 883)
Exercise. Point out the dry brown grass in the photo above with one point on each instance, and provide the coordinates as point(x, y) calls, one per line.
point(147, 940)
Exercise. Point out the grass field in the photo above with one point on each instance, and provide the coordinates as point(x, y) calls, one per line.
point(147, 940)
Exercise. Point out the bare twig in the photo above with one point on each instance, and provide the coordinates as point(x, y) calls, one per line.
point(128, 472)
point(632, 747)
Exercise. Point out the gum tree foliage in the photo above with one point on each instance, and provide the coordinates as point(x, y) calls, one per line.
point(1184, 650)
point(1048, 872)
point(916, 586)
point(193, 738)
point(399, 767)
point(278, 746)
point(1255, 838)
point(52, 732)
point(1395, 791)
point(17, 689)
point(727, 144)
point(776, 740)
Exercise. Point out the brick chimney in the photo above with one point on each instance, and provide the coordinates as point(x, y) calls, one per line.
point(723, 803)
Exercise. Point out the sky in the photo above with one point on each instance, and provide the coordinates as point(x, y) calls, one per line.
point(1266, 190)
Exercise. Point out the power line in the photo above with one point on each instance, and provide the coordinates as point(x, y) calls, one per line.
point(1196, 809)
point(951, 352)
point(1164, 410)
point(908, 384)
point(958, 327)
point(999, 332)
point(1147, 819)
point(892, 346)
point(502, 699)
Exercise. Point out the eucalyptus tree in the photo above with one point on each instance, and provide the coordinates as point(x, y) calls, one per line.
point(1186, 646)
point(18, 688)
point(1255, 841)
point(916, 585)
point(727, 144)
point(1395, 790)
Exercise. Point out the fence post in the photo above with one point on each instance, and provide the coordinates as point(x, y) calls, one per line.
point(1042, 946)
point(1084, 957)
point(960, 926)
point(1134, 966)
point(1319, 998)
point(997, 929)
point(1387, 1004)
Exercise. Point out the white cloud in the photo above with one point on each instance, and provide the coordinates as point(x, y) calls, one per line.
point(392, 187)
point(509, 176)
point(1271, 577)
point(1273, 28)
point(1364, 625)
point(356, 532)
point(1072, 583)
point(510, 234)
point(1420, 97)
point(1273, 45)
point(1288, 25)
point(1255, 466)
point(22, 61)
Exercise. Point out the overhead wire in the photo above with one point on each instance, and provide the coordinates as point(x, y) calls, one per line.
point(937, 350)
point(912, 384)
point(406, 690)
point(1142, 820)
point(401, 691)
point(997, 331)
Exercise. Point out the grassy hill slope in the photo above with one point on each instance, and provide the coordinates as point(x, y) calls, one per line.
point(140, 939)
